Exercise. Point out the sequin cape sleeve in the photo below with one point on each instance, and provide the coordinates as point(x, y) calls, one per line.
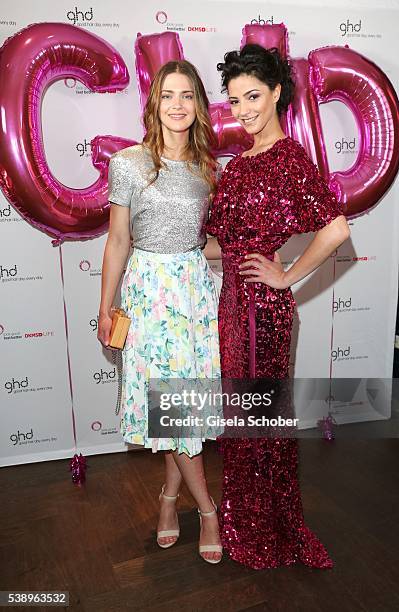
point(314, 204)
point(120, 180)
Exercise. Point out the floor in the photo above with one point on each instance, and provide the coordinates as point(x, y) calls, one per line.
point(98, 541)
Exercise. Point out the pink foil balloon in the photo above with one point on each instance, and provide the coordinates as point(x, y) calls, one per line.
point(302, 121)
point(303, 117)
point(30, 61)
point(49, 52)
point(152, 51)
point(232, 139)
point(338, 73)
point(267, 36)
point(102, 147)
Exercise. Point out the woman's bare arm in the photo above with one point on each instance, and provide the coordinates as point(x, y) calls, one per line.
point(115, 254)
point(258, 268)
point(212, 249)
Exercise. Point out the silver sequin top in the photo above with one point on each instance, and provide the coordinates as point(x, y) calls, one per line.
point(170, 215)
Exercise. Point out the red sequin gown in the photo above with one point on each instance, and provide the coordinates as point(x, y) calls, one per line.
point(261, 201)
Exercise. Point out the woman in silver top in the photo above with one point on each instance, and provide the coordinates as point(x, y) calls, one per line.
point(159, 193)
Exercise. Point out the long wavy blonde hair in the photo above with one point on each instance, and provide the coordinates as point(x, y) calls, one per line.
point(201, 136)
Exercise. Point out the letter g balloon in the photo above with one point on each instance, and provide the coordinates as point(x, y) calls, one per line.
point(30, 61)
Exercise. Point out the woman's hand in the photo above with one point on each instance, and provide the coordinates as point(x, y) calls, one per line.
point(104, 328)
point(259, 269)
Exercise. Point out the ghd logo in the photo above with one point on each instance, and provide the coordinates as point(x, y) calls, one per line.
point(341, 304)
point(12, 385)
point(8, 272)
point(104, 376)
point(349, 27)
point(75, 16)
point(339, 353)
point(17, 437)
point(343, 145)
point(260, 21)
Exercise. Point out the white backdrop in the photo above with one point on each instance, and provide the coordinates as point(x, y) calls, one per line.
point(58, 387)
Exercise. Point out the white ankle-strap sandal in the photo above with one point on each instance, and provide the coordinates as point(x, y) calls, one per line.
point(169, 532)
point(209, 547)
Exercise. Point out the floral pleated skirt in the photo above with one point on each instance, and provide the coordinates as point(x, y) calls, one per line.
point(172, 302)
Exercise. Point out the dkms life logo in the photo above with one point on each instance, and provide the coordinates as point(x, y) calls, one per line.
point(85, 265)
point(97, 427)
point(161, 17)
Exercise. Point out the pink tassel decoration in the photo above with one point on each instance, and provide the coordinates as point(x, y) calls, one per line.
point(78, 466)
point(326, 425)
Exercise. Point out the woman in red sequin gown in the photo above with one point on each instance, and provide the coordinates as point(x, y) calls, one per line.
point(265, 196)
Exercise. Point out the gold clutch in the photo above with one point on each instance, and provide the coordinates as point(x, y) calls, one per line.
point(119, 329)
